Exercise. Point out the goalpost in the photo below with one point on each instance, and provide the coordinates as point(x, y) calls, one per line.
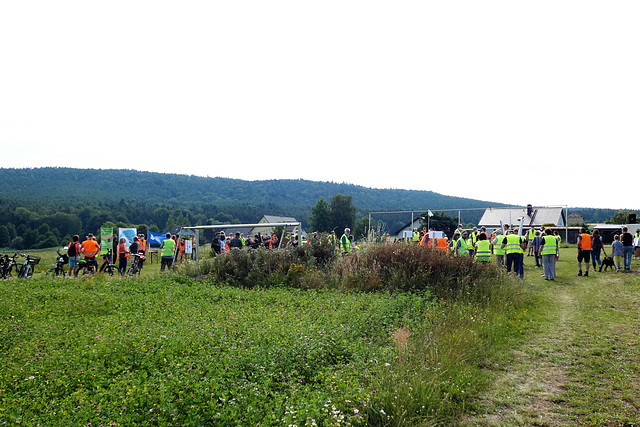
point(265, 225)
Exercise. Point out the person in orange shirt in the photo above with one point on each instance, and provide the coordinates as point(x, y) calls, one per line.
point(584, 251)
point(142, 249)
point(123, 254)
point(90, 249)
point(181, 246)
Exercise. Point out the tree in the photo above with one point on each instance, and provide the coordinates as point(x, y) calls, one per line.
point(48, 240)
point(343, 213)
point(24, 215)
point(5, 238)
point(620, 217)
point(440, 222)
point(361, 227)
point(320, 218)
point(30, 238)
point(65, 223)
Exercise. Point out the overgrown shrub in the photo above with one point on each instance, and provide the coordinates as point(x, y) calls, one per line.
point(377, 268)
point(300, 267)
point(414, 269)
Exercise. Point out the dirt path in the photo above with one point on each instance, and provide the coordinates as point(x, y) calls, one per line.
point(529, 390)
point(582, 366)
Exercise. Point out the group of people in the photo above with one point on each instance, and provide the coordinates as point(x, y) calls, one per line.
point(222, 243)
point(90, 248)
point(507, 247)
point(622, 250)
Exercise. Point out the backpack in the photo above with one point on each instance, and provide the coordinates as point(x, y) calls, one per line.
point(73, 249)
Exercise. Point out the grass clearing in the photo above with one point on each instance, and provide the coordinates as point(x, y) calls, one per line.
point(579, 365)
point(169, 349)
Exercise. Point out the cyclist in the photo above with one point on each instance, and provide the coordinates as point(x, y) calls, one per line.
point(73, 252)
point(90, 249)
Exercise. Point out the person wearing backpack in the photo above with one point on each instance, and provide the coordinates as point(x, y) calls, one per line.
point(73, 251)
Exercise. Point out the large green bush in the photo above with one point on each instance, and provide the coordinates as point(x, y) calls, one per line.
point(388, 268)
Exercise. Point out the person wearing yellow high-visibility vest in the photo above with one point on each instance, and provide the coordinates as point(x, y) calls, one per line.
point(531, 234)
point(416, 236)
point(167, 252)
point(345, 243)
point(483, 248)
point(460, 247)
point(498, 252)
point(549, 253)
point(514, 246)
point(471, 245)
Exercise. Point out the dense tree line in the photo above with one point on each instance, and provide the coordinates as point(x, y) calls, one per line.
point(31, 225)
point(44, 207)
point(49, 185)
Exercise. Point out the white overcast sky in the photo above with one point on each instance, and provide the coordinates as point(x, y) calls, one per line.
point(506, 101)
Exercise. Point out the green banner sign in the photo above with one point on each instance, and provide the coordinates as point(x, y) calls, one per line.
point(106, 240)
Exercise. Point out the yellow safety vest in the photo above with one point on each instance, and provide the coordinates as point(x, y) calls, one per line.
point(168, 247)
point(513, 245)
point(550, 245)
point(483, 252)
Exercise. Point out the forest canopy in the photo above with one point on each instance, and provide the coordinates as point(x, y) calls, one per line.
point(44, 207)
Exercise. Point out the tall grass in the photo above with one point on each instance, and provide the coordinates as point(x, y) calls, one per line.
point(390, 336)
point(475, 312)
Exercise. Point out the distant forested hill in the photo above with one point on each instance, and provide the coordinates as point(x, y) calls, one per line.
point(88, 185)
point(44, 207)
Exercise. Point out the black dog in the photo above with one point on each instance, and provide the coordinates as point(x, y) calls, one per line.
point(606, 263)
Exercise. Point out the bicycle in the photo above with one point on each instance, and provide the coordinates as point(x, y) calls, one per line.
point(28, 266)
point(106, 265)
point(88, 265)
point(136, 264)
point(61, 261)
point(8, 265)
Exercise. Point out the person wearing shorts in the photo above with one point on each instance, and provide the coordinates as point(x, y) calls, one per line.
point(617, 252)
point(584, 251)
point(73, 252)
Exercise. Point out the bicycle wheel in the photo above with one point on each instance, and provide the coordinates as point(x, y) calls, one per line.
point(60, 272)
point(11, 269)
point(109, 269)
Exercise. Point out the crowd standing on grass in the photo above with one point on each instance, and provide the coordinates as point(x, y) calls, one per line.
point(508, 248)
point(503, 245)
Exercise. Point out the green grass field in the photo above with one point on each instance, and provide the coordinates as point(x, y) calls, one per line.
point(166, 349)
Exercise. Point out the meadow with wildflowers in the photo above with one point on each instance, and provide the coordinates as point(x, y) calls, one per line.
point(179, 350)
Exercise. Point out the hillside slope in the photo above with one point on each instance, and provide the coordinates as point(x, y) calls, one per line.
point(109, 185)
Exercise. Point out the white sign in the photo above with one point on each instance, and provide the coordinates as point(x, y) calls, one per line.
point(128, 234)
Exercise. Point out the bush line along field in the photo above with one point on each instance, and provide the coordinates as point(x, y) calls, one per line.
point(392, 336)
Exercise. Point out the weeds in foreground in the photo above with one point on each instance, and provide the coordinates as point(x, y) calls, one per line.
point(295, 346)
